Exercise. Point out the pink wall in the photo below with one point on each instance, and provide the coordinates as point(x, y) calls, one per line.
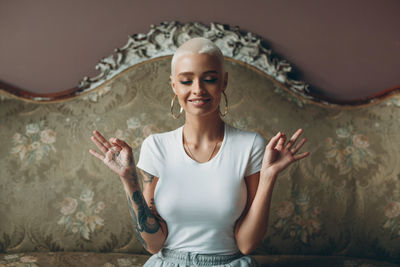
point(346, 49)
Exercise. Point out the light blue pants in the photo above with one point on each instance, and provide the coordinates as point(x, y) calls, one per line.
point(172, 258)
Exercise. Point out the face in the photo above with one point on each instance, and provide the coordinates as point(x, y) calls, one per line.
point(198, 82)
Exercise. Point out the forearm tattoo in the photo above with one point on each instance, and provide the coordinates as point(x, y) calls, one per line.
point(134, 176)
point(145, 220)
point(132, 173)
point(153, 209)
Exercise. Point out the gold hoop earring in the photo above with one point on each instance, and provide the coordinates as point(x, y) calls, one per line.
point(226, 105)
point(172, 106)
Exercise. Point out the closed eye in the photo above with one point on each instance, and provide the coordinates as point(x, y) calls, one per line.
point(186, 82)
point(210, 80)
point(213, 80)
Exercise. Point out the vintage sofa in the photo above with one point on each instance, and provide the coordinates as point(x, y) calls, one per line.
point(60, 206)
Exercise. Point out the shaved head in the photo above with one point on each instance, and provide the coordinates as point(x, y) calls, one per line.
point(198, 45)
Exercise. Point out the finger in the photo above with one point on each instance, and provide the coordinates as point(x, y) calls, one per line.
point(300, 156)
point(97, 155)
point(274, 140)
point(293, 138)
point(281, 141)
point(122, 143)
point(298, 146)
point(99, 144)
point(102, 139)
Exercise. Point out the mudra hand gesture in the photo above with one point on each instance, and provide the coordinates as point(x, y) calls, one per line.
point(279, 155)
point(117, 156)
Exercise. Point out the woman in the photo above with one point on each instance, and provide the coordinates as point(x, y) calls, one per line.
point(214, 181)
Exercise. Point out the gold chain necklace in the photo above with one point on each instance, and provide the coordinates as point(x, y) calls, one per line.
point(190, 152)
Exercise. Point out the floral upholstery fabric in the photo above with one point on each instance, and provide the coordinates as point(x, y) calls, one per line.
point(61, 259)
point(342, 200)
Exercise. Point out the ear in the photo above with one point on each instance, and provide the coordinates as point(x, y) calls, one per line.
point(172, 82)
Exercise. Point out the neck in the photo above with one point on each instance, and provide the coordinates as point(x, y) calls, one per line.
point(203, 129)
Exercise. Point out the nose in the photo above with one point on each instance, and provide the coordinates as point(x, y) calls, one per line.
point(198, 87)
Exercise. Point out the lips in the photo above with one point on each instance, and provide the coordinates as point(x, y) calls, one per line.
point(200, 100)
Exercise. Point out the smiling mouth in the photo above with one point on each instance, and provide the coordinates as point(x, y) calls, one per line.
point(200, 101)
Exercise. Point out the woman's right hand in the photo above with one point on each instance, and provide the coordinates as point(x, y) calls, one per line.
point(117, 156)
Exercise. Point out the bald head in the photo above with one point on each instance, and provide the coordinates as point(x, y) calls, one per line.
point(198, 45)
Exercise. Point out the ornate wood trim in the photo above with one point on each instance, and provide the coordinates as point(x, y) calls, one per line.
point(164, 39)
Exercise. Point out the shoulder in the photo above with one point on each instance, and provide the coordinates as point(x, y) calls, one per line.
point(158, 139)
point(246, 135)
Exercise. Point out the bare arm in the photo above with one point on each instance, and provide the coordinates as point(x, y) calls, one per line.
point(252, 225)
point(149, 226)
point(149, 185)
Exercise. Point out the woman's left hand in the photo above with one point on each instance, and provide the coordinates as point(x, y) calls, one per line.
point(279, 155)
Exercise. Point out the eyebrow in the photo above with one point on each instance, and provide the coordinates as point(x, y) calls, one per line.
point(191, 73)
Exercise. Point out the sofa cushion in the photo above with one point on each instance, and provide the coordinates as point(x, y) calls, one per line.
point(93, 259)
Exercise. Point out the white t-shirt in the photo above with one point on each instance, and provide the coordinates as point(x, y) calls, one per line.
point(201, 202)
